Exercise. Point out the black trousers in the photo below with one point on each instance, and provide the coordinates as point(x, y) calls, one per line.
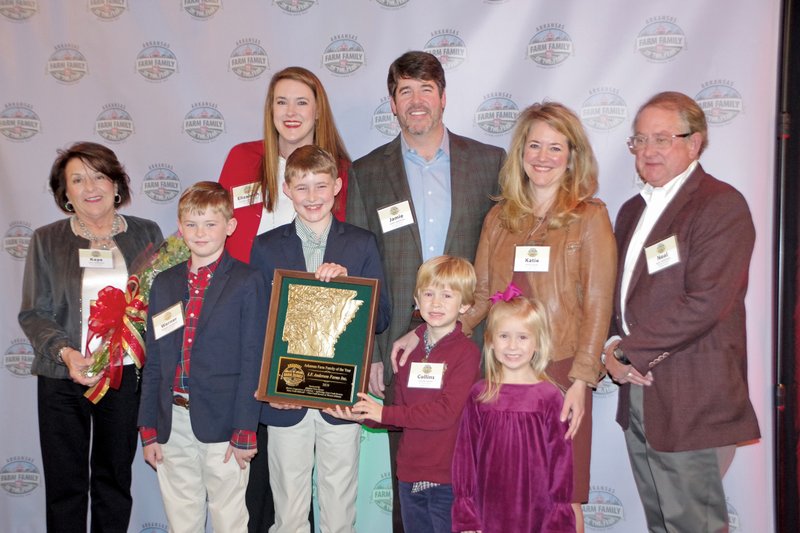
point(68, 424)
point(258, 497)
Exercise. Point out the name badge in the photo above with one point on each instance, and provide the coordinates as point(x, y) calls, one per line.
point(532, 259)
point(92, 258)
point(426, 375)
point(662, 255)
point(168, 320)
point(395, 216)
point(241, 195)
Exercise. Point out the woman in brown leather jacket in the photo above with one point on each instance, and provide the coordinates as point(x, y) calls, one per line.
point(553, 239)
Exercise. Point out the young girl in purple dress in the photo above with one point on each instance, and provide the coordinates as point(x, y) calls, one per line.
point(512, 468)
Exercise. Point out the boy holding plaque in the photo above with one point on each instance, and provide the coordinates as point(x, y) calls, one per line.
point(431, 391)
point(299, 437)
point(205, 335)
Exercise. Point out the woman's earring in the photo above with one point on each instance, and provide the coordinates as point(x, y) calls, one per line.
point(117, 199)
point(68, 206)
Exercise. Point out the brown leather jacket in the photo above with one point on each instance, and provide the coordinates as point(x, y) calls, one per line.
point(577, 290)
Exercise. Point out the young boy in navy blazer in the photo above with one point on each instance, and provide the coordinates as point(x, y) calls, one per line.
point(315, 242)
point(205, 336)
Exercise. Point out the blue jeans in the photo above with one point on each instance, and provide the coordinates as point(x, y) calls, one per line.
point(427, 511)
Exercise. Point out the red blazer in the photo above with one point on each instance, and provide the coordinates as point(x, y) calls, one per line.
point(687, 322)
point(243, 166)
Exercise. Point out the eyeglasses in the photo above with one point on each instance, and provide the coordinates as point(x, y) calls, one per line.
point(660, 142)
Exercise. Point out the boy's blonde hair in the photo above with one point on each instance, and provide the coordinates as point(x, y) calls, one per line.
point(206, 195)
point(534, 316)
point(309, 159)
point(445, 270)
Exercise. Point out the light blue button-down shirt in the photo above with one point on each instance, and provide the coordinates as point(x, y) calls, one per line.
point(430, 186)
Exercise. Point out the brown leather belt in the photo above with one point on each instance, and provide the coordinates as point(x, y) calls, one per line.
point(181, 401)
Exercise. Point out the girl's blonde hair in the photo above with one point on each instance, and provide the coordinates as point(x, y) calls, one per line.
point(578, 185)
point(534, 316)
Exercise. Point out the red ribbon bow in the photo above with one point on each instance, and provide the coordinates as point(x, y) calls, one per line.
point(114, 318)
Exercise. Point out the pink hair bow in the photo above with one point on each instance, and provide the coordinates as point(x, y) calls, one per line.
point(512, 291)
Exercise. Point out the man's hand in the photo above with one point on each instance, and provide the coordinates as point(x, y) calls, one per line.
point(376, 386)
point(624, 373)
point(405, 344)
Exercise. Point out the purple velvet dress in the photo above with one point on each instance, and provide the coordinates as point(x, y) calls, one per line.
point(512, 467)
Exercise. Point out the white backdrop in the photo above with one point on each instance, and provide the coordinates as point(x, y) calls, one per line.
point(172, 85)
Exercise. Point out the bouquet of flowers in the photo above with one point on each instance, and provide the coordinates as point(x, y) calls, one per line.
point(119, 319)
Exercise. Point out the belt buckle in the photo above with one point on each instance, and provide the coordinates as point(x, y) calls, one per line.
point(181, 401)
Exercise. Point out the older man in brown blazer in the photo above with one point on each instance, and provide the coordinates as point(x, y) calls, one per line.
point(423, 194)
point(678, 347)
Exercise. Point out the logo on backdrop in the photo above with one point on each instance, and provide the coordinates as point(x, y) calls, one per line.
point(497, 114)
point(19, 476)
point(384, 120)
point(550, 45)
point(344, 55)
point(604, 509)
point(382, 493)
point(108, 9)
point(67, 64)
point(249, 59)
point(719, 101)
point(19, 358)
point(17, 239)
point(733, 518)
point(605, 388)
point(392, 4)
point(661, 40)
point(156, 62)
point(153, 527)
point(18, 10)
point(204, 122)
point(19, 122)
point(202, 9)
point(448, 47)
point(604, 109)
point(114, 124)
point(295, 7)
point(161, 184)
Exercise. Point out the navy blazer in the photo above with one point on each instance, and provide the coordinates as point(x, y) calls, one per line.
point(225, 359)
point(352, 247)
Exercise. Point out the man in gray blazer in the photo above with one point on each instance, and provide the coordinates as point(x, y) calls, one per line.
point(678, 346)
point(423, 194)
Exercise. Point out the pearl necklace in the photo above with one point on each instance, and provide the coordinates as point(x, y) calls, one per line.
point(103, 241)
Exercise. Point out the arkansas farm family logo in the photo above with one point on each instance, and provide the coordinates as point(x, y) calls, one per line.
point(550, 46)
point(661, 39)
point(382, 493)
point(497, 114)
point(161, 184)
point(604, 109)
point(67, 64)
point(448, 48)
point(248, 60)
point(17, 238)
point(19, 476)
point(156, 62)
point(18, 10)
point(720, 101)
point(18, 358)
point(108, 9)
point(604, 509)
point(344, 55)
point(204, 122)
point(202, 9)
point(114, 123)
point(295, 7)
point(19, 122)
point(384, 120)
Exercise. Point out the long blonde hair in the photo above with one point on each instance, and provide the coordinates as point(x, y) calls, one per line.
point(534, 316)
point(326, 136)
point(578, 184)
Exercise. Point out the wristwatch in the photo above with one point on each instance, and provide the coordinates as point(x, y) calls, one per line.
point(619, 355)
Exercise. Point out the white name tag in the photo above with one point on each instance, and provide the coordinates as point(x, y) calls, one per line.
point(92, 258)
point(168, 320)
point(532, 259)
point(662, 255)
point(426, 375)
point(241, 195)
point(395, 216)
